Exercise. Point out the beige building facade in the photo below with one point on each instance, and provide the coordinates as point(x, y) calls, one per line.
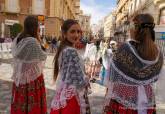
point(84, 21)
point(121, 13)
point(109, 22)
point(160, 27)
point(126, 9)
point(52, 13)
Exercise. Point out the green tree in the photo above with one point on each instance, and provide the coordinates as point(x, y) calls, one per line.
point(15, 29)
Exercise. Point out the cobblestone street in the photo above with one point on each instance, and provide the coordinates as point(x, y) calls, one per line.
point(96, 98)
point(109, 56)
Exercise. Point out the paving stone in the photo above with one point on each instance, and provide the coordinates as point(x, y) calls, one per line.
point(96, 98)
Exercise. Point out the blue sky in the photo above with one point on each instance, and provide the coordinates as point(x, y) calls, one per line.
point(97, 8)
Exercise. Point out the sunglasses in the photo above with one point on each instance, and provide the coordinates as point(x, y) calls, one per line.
point(133, 25)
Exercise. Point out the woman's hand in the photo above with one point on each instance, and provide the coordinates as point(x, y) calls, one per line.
point(79, 45)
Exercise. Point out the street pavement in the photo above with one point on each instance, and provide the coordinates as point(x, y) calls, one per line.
point(96, 98)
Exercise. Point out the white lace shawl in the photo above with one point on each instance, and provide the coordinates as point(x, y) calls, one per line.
point(28, 60)
point(140, 95)
point(72, 83)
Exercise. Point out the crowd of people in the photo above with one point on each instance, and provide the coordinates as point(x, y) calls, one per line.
point(127, 71)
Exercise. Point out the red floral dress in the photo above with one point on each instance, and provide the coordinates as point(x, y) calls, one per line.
point(29, 98)
point(28, 92)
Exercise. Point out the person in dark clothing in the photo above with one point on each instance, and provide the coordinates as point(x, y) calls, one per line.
point(54, 44)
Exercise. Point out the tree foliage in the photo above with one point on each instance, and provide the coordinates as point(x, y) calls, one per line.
point(15, 29)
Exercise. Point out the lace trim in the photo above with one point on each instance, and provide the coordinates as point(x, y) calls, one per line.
point(65, 93)
point(62, 95)
point(126, 103)
point(144, 61)
point(26, 72)
point(132, 79)
point(16, 48)
point(131, 97)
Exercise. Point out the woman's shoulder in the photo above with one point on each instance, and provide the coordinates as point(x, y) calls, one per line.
point(30, 40)
point(69, 50)
point(123, 46)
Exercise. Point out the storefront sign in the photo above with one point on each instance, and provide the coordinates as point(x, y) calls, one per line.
point(163, 35)
point(10, 22)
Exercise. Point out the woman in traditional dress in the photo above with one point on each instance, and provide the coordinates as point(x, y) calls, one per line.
point(134, 69)
point(71, 83)
point(106, 57)
point(28, 93)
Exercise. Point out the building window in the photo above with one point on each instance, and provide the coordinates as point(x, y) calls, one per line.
point(138, 4)
point(39, 7)
point(162, 17)
point(130, 9)
point(134, 6)
point(12, 6)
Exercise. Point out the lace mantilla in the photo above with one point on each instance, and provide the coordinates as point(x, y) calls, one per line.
point(71, 80)
point(131, 80)
point(71, 69)
point(28, 60)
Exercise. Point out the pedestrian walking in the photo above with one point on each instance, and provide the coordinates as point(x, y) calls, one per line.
point(106, 57)
point(54, 44)
point(71, 83)
point(90, 59)
point(134, 69)
point(28, 93)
